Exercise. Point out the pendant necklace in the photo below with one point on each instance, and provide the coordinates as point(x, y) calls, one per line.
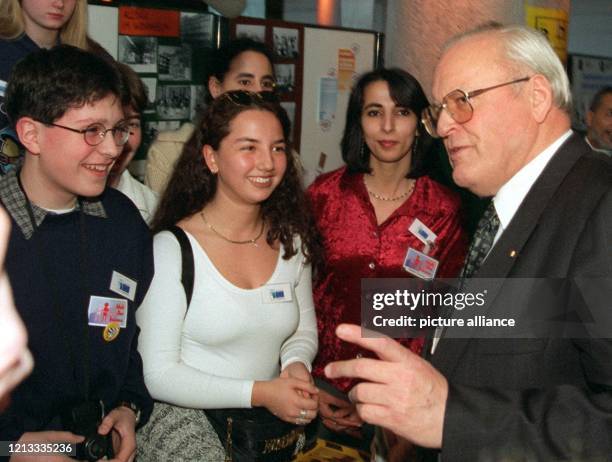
point(386, 198)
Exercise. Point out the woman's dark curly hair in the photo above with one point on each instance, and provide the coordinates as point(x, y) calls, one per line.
point(406, 91)
point(192, 185)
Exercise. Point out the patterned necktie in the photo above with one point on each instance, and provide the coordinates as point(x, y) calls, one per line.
point(481, 243)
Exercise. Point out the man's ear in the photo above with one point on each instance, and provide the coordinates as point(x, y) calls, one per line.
point(209, 155)
point(28, 131)
point(214, 86)
point(541, 97)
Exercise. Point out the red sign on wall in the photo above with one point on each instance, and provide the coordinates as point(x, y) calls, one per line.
point(149, 22)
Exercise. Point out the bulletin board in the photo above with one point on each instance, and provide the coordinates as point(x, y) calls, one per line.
point(170, 50)
point(334, 60)
point(587, 75)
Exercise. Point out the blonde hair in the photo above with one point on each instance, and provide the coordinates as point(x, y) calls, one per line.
point(74, 32)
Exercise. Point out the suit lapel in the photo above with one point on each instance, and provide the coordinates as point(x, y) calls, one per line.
point(507, 251)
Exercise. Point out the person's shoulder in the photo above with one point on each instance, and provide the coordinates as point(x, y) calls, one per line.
point(12, 51)
point(177, 136)
point(119, 207)
point(327, 180)
point(445, 197)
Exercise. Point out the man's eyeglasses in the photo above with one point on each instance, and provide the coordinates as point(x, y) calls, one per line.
point(94, 134)
point(457, 104)
point(248, 98)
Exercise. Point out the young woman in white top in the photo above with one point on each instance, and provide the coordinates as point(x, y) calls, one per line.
point(249, 335)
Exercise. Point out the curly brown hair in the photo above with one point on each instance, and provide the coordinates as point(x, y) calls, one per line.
point(192, 184)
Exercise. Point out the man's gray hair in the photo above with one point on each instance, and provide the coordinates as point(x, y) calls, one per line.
point(527, 49)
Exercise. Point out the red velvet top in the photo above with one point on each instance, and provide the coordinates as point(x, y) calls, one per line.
point(357, 247)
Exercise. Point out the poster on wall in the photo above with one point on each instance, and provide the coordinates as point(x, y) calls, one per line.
point(553, 24)
point(587, 75)
point(346, 68)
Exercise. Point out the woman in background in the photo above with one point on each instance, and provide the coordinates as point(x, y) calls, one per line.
point(119, 177)
point(244, 64)
point(248, 336)
point(370, 213)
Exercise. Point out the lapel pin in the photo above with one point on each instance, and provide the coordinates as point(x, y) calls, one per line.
point(111, 331)
point(513, 253)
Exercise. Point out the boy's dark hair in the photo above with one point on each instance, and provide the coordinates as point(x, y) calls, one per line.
point(406, 91)
point(137, 92)
point(47, 83)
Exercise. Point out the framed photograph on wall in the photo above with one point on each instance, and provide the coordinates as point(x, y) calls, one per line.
point(286, 42)
point(173, 101)
point(140, 53)
point(174, 62)
point(285, 78)
point(252, 31)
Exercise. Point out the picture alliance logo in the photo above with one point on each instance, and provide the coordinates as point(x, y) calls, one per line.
point(423, 299)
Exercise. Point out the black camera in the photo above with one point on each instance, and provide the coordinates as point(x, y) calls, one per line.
point(84, 419)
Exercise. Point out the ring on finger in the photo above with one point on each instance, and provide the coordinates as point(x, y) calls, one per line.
point(303, 413)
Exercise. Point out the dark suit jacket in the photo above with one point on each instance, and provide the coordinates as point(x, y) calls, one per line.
point(541, 398)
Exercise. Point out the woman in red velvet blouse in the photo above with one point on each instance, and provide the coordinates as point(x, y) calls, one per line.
point(364, 212)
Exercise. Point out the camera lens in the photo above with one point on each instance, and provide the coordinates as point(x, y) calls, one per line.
point(95, 447)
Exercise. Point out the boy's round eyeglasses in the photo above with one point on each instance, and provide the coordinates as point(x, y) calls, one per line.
point(94, 134)
point(457, 104)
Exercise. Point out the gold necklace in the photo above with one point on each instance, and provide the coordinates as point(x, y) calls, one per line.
point(248, 241)
point(389, 199)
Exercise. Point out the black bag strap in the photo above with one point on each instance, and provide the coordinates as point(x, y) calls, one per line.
point(187, 267)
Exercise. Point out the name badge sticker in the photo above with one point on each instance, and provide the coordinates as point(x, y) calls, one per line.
point(103, 311)
point(277, 293)
point(421, 265)
point(422, 232)
point(123, 285)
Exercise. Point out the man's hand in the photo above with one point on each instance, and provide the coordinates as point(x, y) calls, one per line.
point(402, 392)
point(122, 422)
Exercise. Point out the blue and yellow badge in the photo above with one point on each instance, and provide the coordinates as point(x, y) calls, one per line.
point(111, 331)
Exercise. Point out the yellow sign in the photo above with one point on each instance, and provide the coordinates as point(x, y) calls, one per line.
point(553, 23)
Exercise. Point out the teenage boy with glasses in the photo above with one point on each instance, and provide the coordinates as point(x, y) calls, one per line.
point(79, 257)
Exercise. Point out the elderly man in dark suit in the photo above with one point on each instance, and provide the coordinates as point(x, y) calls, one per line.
point(502, 111)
